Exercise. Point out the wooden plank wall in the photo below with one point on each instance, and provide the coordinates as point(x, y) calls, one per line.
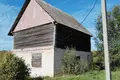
point(77, 40)
point(34, 37)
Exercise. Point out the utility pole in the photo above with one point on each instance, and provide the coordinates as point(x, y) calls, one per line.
point(105, 39)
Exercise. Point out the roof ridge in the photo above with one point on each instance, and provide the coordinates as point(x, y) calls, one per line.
point(56, 8)
point(44, 9)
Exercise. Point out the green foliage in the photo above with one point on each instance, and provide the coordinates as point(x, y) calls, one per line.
point(113, 18)
point(115, 61)
point(2, 55)
point(71, 65)
point(98, 60)
point(13, 68)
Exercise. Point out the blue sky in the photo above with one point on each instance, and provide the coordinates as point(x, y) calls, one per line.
point(9, 10)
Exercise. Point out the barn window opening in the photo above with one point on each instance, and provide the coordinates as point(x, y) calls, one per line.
point(77, 58)
point(36, 60)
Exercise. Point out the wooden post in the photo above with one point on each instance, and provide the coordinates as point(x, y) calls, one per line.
point(105, 39)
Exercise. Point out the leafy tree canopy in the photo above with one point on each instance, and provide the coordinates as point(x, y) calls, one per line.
point(113, 18)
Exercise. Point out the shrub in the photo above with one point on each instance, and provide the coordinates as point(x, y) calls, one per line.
point(2, 55)
point(13, 68)
point(98, 60)
point(71, 65)
point(115, 61)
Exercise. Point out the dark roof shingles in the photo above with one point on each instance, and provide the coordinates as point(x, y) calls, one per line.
point(62, 17)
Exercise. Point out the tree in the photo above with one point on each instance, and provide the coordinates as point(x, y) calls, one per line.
point(113, 18)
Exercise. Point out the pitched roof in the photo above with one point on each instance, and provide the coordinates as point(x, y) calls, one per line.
point(19, 16)
point(58, 15)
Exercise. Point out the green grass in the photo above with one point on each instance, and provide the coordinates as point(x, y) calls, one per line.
point(95, 75)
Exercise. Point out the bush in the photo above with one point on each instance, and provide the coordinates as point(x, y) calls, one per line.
point(115, 61)
point(71, 65)
point(98, 60)
point(2, 55)
point(13, 68)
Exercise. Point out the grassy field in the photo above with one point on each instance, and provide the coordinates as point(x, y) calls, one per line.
point(95, 75)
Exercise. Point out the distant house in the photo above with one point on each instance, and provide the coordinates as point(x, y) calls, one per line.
point(39, 37)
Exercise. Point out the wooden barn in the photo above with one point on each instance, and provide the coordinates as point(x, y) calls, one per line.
point(39, 33)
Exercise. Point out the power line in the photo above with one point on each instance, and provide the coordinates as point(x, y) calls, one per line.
point(83, 20)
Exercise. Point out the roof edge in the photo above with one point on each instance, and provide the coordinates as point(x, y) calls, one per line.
point(19, 17)
point(91, 35)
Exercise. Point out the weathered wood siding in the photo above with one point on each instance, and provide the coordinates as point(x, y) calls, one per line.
point(77, 40)
point(34, 37)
